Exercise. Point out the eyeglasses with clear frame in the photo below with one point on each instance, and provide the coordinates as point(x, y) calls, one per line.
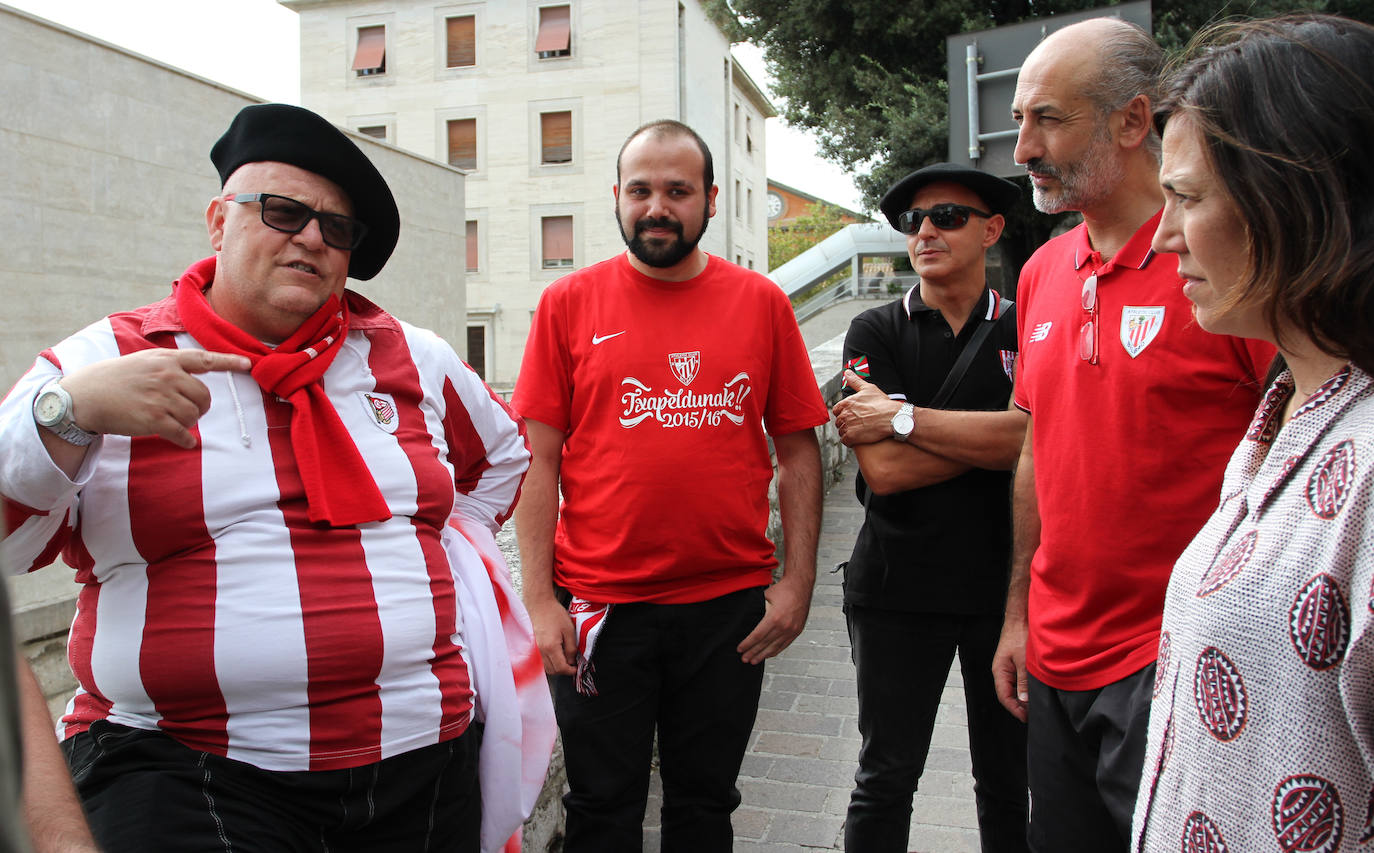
point(946, 217)
point(290, 216)
point(1087, 333)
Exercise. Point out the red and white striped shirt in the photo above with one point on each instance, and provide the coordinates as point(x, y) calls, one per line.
point(213, 609)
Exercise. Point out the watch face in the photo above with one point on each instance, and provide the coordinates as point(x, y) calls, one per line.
point(49, 408)
point(902, 424)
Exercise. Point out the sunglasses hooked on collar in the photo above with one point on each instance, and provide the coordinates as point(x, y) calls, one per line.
point(291, 216)
point(946, 217)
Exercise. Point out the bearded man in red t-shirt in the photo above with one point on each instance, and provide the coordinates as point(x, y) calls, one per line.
point(650, 386)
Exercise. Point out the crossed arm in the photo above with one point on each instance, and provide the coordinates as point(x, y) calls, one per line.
point(943, 445)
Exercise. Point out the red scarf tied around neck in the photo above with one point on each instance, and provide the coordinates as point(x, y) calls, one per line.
point(339, 490)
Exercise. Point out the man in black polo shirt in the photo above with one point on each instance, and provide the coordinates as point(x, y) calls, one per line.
point(930, 425)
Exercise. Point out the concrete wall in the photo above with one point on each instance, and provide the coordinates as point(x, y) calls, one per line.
point(630, 62)
point(104, 179)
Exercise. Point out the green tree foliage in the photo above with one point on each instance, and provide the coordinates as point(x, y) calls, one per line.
point(867, 77)
point(787, 241)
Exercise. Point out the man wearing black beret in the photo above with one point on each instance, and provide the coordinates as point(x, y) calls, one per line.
point(928, 419)
point(280, 502)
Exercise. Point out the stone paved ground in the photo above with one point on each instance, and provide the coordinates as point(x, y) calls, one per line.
point(799, 770)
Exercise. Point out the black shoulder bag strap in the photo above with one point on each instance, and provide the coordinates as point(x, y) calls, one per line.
point(956, 373)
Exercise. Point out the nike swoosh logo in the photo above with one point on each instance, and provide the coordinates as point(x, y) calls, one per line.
point(596, 339)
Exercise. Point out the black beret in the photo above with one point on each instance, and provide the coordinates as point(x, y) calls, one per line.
point(285, 134)
point(996, 193)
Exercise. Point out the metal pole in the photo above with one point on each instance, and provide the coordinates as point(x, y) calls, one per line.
point(975, 150)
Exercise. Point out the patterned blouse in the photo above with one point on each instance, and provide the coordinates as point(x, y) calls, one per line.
point(1262, 725)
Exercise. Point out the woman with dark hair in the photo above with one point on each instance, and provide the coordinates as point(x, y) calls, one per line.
point(1262, 725)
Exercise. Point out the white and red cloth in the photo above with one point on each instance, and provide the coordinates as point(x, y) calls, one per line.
point(1262, 726)
point(214, 609)
point(588, 618)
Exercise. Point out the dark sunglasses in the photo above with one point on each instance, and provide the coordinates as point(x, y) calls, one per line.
point(946, 217)
point(288, 215)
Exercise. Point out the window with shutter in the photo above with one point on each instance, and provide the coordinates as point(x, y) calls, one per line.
point(462, 41)
point(556, 137)
point(462, 143)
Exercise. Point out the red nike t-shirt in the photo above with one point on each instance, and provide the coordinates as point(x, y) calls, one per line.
point(664, 391)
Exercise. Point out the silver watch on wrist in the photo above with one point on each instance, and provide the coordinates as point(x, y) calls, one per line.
point(903, 422)
point(52, 410)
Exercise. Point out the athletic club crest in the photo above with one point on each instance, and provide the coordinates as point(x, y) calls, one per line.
point(381, 409)
point(1139, 326)
point(685, 365)
point(1009, 363)
point(1308, 815)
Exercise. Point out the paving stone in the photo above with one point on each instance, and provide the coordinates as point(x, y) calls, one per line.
point(779, 743)
point(780, 721)
point(820, 831)
point(778, 701)
point(812, 771)
point(767, 794)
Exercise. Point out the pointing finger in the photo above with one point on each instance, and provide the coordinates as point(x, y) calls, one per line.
point(204, 361)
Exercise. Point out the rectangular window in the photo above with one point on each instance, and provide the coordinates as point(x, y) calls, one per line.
point(376, 131)
point(738, 132)
point(739, 200)
point(555, 32)
point(557, 233)
point(370, 57)
point(749, 203)
point(462, 143)
point(555, 131)
point(472, 259)
point(462, 41)
point(477, 350)
point(749, 134)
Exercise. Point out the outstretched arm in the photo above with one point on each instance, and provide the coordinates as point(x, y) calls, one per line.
point(799, 502)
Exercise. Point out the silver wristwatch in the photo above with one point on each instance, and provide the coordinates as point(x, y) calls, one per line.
point(52, 410)
point(903, 422)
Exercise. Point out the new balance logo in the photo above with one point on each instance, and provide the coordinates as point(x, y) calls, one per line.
point(1041, 331)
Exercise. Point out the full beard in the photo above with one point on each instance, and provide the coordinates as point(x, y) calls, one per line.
point(658, 253)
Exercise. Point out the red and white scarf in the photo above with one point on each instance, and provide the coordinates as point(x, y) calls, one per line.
point(339, 489)
point(588, 618)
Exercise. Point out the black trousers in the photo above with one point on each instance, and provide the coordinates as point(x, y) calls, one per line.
point(902, 662)
point(144, 792)
point(672, 667)
point(1087, 749)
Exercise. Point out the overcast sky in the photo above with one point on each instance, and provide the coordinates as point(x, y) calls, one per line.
point(254, 46)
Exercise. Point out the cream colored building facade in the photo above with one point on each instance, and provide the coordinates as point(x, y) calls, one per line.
point(533, 98)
